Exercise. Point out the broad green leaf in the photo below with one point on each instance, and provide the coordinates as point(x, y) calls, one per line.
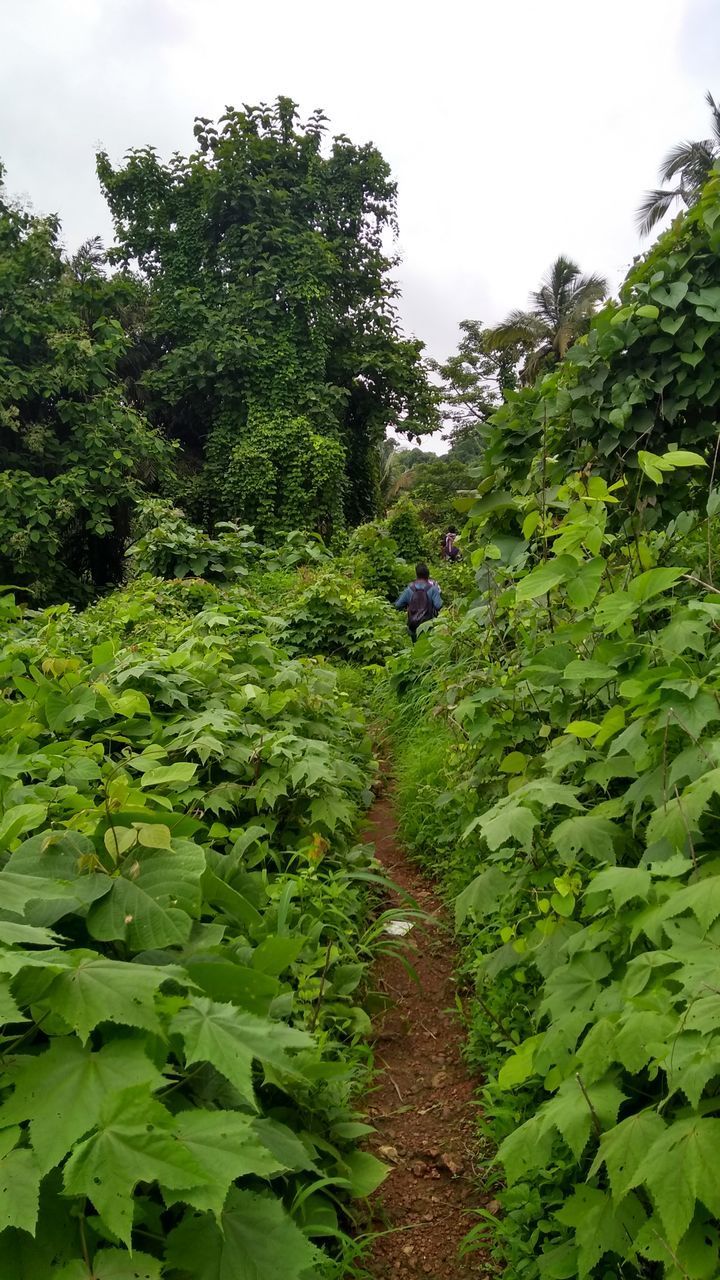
point(685, 458)
point(153, 900)
point(588, 832)
point(527, 1147)
point(118, 1264)
point(94, 989)
point(498, 501)
point(254, 1240)
point(600, 1226)
point(622, 883)
point(231, 1039)
point(682, 813)
point(514, 822)
point(167, 774)
point(569, 1111)
point(364, 1172)
point(584, 585)
point(282, 1143)
point(519, 1066)
point(614, 610)
point(582, 728)
point(514, 762)
point(670, 294)
point(679, 1169)
point(546, 576)
point(20, 1176)
point(17, 891)
point(62, 1091)
point(623, 1149)
point(481, 895)
point(702, 898)
point(19, 819)
point(225, 1146)
point(275, 953)
point(647, 311)
point(135, 1141)
point(652, 583)
point(643, 1036)
point(582, 669)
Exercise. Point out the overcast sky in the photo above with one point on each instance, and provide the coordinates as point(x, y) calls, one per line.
point(516, 130)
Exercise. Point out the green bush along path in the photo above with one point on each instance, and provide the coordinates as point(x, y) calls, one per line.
point(184, 935)
point(557, 755)
point(188, 913)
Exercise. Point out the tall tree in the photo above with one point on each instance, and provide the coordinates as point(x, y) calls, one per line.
point(74, 457)
point(276, 356)
point(688, 166)
point(559, 314)
point(474, 380)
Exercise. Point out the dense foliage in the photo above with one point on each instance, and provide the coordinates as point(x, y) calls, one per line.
point(183, 933)
point(644, 377)
point(74, 456)
point(272, 347)
point(558, 761)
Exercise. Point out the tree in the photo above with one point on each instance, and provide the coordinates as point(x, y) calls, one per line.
point(559, 314)
point(275, 355)
point(74, 457)
point(475, 379)
point(691, 164)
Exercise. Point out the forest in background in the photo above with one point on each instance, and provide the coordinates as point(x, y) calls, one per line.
point(206, 527)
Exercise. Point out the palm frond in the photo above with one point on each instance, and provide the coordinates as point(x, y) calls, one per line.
point(654, 207)
point(714, 115)
point(522, 327)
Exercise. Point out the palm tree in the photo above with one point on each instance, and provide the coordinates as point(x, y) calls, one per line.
point(691, 164)
point(559, 313)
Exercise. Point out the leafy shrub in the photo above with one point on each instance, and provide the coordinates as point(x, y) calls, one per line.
point(174, 548)
point(75, 457)
point(407, 530)
point(181, 944)
point(335, 617)
point(373, 556)
point(570, 800)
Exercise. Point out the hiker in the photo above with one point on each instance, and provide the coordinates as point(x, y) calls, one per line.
point(450, 551)
point(421, 599)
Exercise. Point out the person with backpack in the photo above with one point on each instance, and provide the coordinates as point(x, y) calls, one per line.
point(450, 550)
point(421, 599)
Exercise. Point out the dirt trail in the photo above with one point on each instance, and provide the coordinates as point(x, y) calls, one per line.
point(423, 1106)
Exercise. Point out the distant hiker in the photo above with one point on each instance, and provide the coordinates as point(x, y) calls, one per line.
point(450, 550)
point(421, 599)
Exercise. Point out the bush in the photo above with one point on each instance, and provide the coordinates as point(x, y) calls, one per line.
point(407, 530)
point(337, 618)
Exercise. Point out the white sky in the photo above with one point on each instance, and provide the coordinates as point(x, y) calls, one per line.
point(516, 130)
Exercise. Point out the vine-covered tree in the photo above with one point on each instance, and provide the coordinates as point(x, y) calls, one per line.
point(275, 353)
point(73, 455)
point(559, 314)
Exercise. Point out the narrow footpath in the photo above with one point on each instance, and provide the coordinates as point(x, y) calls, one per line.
point(422, 1107)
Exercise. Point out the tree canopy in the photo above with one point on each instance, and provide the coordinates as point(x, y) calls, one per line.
point(74, 455)
point(559, 313)
point(273, 348)
point(687, 166)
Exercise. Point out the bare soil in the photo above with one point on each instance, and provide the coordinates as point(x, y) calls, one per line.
point(422, 1107)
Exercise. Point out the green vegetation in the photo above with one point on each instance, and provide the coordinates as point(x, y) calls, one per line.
point(558, 765)
point(184, 936)
point(207, 530)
